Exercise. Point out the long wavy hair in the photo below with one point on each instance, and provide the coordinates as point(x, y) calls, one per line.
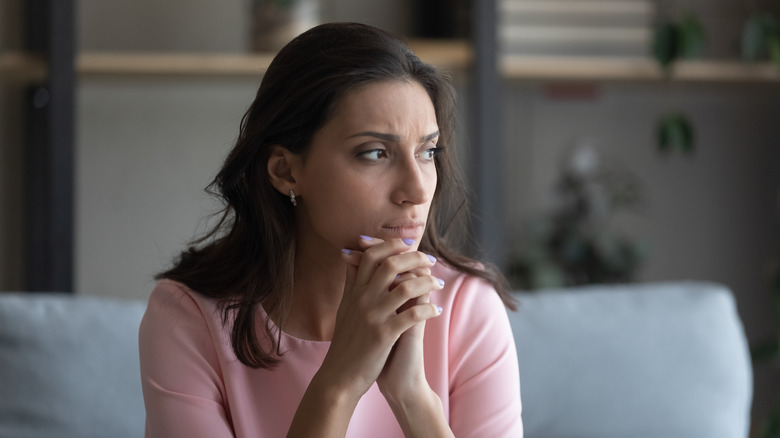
point(247, 257)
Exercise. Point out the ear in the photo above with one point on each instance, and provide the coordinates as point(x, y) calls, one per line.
point(282, 166)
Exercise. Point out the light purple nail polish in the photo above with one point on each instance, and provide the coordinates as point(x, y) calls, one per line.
point(439, 309)
point(408, 241)
point(368, 238)
point(346, 251)
point(441, 282)
point(432, 258)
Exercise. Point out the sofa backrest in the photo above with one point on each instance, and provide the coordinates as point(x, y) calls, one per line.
point(69, 367)
point(647, 360)
point(652, 360)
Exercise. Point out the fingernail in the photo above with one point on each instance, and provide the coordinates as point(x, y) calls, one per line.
point(408, 241)
point(432, 258)
point(368, 238)
point(346, 251)
point(439, 309)
point(441, 282)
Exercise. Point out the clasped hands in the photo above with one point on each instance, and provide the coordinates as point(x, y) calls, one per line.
point(378, 336)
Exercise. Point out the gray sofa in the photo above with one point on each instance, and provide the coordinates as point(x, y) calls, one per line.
point(650, 360)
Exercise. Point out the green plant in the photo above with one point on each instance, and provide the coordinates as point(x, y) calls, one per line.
point(675, 131)
point(680, 37)
point(575, 244)
point(677, 38)
point(761, 38)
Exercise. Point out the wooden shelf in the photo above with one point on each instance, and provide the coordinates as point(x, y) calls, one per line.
point(546, 69)
point(451, 55)
point(21, 67)
point(171, 64)
point(445, 54)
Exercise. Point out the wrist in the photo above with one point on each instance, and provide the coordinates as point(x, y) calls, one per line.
point(325, 410)
point(333, 392)
point(422, 415)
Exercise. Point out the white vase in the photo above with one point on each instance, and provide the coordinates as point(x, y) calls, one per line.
point(276, 22)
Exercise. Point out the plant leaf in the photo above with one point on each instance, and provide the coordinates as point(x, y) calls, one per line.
point(686, 131)
point(774, 49)
point(691, 37)
point(665, 44)
point(766, 351)
point(675, 132)
point(753, 41)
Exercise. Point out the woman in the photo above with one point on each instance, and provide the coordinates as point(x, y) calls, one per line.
point(328, 300)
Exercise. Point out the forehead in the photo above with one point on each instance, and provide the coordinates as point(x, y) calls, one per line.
point(392, 104)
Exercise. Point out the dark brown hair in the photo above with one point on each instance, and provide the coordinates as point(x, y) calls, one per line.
point(247, 257)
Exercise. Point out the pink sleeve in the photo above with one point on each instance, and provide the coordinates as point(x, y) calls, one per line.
point(182, 384)
point(484, 375)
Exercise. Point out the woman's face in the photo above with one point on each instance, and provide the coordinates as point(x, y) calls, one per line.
point(370, 170)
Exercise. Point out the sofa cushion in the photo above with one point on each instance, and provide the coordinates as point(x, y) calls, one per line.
point(648, 360)
point(69, 367)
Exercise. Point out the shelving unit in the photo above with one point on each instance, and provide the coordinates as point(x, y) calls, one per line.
point(51, 66)
point(29, 68)
point(549, 68)
point(22, 67)
point(455, 55)
point(452, 55)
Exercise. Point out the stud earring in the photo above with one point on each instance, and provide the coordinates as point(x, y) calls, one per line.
point(292, 198)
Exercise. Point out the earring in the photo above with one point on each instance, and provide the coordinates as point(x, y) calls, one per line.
point(292, 198)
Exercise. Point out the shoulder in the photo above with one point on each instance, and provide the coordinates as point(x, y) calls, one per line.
point(174, 308)
point(465, 290)
point(176, 299)
point(180, 351)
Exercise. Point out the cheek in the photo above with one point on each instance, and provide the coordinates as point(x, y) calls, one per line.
point(340, 208)
point(432, 181)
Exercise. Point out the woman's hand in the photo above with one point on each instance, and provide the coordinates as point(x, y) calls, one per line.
point(378, 338)
point(386, 294)
point(402, 380)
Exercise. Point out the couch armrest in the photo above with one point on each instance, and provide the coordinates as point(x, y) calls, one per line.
point(646, 360)
point(69, 366)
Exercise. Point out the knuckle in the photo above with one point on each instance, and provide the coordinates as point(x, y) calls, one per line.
point(417, 313)
point(390, 266)
point(406, 290)
point(370, 256)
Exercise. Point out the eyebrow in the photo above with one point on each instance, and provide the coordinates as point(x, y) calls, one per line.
point(392, 137)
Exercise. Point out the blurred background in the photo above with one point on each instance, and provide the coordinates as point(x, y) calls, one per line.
point(606, 167)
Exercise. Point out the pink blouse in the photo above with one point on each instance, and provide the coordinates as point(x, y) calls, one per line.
point(194, 386)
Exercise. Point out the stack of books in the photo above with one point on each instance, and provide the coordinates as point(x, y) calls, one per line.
point(576, 27)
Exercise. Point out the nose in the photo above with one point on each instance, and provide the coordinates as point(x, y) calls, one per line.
point(414, 182)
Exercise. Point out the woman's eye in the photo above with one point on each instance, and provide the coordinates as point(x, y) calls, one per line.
point(373, 154)
point(429, 154)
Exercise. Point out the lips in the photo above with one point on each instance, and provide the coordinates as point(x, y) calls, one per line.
point(404, 229)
